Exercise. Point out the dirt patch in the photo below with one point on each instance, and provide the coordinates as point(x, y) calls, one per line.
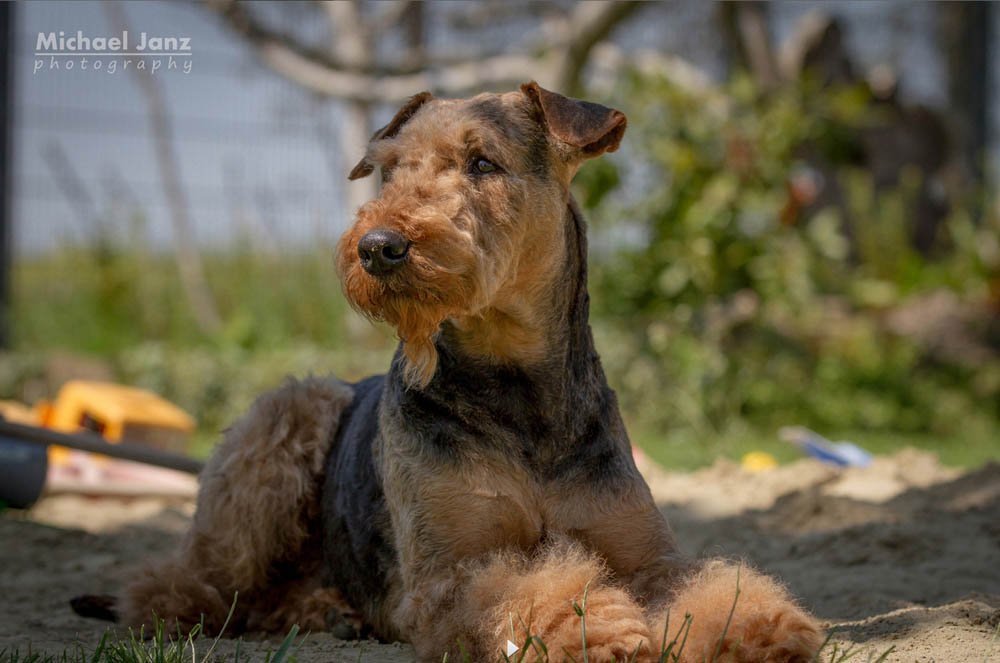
point(904, 554)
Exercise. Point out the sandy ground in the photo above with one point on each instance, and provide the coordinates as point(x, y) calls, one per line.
point(904, 554)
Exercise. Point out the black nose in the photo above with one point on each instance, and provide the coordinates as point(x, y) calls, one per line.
point(382, 251)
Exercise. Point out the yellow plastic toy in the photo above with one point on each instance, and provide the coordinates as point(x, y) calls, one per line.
point(758, 461)
point(114, 411)
point(119, 414)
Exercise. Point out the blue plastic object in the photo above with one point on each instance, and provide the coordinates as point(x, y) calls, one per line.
point(841, 454)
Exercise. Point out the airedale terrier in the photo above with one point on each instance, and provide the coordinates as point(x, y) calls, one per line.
point(485, 487)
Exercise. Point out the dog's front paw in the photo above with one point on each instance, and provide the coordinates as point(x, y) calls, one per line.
point(758, 624)
point(784, 636)
point(608, 623)
point(613, 628)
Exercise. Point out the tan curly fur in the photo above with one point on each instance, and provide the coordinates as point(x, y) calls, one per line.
point(540, 594)
point(256, 506)
point(488, 549)
point(766, 626)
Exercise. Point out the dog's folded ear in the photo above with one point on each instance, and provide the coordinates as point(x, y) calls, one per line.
point(590, 129)
point(365, 167)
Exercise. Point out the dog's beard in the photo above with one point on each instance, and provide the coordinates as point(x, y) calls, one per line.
point(417, 323)
point(415, 301)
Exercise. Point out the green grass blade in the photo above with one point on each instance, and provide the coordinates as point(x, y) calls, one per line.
point(729, 619)
point(225, 624)
point(666, 629)
point(688, 619)
point(993, 642)
point(286, 644)
point(582, 611)
point(815, 657)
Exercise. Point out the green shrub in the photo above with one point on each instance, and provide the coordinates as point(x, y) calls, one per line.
point(729, 307)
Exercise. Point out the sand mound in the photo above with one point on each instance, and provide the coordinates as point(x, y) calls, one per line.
point(905, 553)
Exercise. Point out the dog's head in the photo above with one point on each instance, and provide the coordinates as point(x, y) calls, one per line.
point(471, 213)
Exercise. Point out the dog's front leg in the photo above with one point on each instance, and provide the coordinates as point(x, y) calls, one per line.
point(622, 524)
point(477, 571)
point(712, 608)
point(730, 612)
point(553, 603)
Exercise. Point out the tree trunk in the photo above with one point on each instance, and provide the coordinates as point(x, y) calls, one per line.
point(186, 253)
point(966, 38)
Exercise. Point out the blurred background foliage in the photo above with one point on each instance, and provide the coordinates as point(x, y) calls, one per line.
point(763, 253)
point(739, 305)
point(750, 300)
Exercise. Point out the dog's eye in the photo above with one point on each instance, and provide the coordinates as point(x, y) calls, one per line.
point(483, 167)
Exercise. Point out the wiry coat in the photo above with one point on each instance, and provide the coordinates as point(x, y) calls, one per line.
point(483, 486)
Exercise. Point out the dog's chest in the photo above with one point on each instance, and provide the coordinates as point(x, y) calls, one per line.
point(481, 461)
point(462, 499)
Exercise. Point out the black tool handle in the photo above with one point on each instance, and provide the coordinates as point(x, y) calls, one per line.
point(98, 445)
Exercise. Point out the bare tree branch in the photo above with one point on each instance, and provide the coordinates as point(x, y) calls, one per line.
point(483, 15)
point(352, 45)
point(746, 24)
point(349, 68)
point(392, 12)
point(355, 45)
point(559, 60)
point(590, 23)
point(752, 23)
point(71, 186)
